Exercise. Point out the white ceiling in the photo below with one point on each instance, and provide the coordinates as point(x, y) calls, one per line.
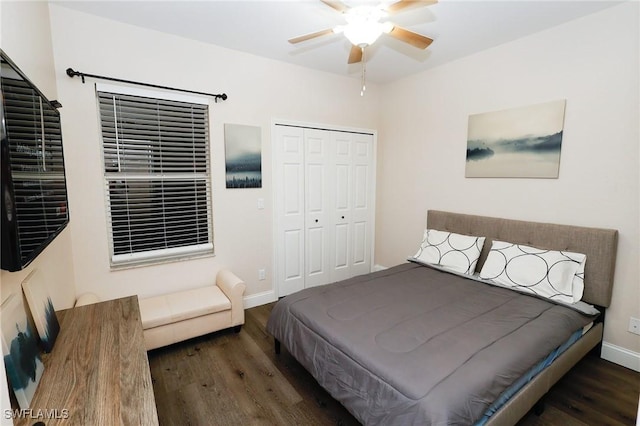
point(262, 27)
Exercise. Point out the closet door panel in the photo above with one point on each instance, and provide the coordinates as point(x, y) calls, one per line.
point(341, 190)
point(341, 167)
point(315, 189)
point(341, 227)
point(292, 260)
point(340, 264)
point(318, 232)
point(293, 194)
point(361, 213)
point(315, 252)
point(360, 245)
point(289, 200)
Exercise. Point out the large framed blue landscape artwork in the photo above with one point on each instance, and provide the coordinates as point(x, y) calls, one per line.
point(520, 142)
point(20, 349)
point(41, 307)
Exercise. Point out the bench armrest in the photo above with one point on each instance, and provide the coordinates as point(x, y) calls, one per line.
point(233, 287)
point(87, 299)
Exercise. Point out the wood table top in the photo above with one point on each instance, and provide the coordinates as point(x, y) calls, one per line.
point(98, 371)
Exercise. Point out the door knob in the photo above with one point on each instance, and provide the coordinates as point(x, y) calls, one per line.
point(343, 217)
point(316, 220)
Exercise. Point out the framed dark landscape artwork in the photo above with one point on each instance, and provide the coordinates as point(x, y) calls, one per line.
point(20, 349)
point(520, 142)
point(41, 307)
point(243, 156)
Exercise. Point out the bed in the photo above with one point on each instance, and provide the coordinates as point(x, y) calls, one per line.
point(419, 344)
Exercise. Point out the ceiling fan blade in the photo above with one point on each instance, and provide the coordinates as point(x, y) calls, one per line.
point(414, 39)
point(403, 5)
point(310, 36)
point(355, 55)
point(337, 5)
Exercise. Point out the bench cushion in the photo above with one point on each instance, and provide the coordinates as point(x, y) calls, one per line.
point(166, 309)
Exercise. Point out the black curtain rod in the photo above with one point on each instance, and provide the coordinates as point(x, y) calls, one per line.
point(71, 73)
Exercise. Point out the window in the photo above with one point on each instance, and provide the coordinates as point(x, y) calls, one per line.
point(157, 175)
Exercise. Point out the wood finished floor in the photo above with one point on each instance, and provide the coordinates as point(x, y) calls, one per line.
point(226, 378)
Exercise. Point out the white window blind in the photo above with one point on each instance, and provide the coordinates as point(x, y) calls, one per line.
point(157, 177)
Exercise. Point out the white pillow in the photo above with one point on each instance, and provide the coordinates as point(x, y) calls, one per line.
point(556, 275)
point(457, 252)
point(578, 281)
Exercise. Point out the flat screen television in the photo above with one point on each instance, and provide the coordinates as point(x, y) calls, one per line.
point(34, 189)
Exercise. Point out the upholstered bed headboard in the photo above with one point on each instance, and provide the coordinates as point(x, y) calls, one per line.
point(600, 245)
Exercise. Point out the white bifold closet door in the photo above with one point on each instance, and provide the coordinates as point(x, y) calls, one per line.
point(323, 206)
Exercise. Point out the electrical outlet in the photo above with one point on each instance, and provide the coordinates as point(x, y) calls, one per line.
point(261, 274)
point(634, 325)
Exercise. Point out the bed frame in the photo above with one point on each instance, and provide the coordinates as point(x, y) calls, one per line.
point(600, 246)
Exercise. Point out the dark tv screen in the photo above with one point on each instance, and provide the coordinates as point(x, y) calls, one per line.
point(34, 190)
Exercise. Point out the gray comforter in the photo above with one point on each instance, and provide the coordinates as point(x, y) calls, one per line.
point(414, 345)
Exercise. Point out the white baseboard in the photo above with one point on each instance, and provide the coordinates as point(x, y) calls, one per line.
point(377, 268)
point(620, 356)
point(259, 299)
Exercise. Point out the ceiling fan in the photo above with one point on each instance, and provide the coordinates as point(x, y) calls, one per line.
point(366, 23)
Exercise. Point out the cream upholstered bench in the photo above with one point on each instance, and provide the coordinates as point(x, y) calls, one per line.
point(174, 317)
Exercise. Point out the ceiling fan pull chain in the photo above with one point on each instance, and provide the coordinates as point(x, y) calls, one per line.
point(364, 71)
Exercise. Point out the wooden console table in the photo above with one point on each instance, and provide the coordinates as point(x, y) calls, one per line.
point(98, 371)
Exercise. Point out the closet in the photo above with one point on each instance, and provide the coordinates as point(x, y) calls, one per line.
point(323, 205)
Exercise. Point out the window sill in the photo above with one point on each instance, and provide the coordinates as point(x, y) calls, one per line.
point(159, 261)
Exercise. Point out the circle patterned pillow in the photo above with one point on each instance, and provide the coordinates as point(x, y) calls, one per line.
point(457, 252)
point(556, 275)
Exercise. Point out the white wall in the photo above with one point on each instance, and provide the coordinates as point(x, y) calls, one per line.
point(593, 64)
point(26, 38)
point(29, 46)
point(259, 90)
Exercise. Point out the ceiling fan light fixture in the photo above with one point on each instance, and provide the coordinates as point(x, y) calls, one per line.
point(387, 27)
point(363, 25)
point(363, 35)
